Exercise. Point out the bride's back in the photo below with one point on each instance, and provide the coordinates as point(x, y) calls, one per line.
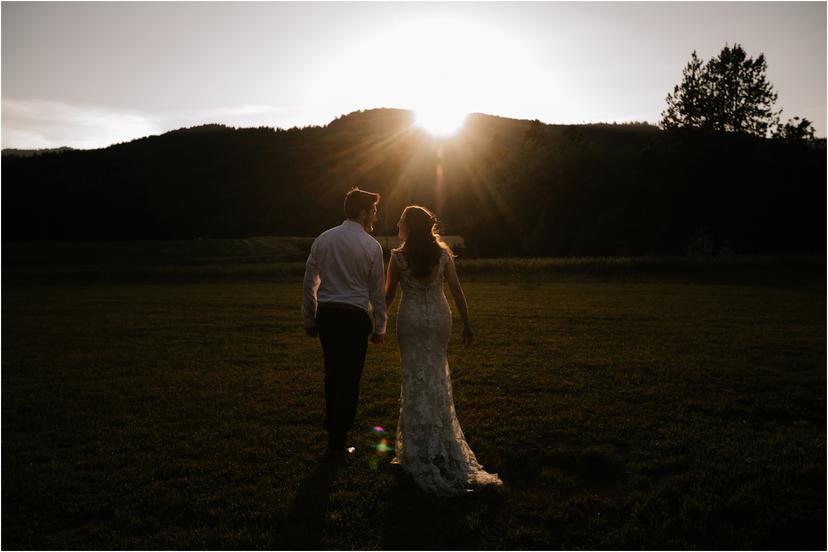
point(424, 314)
point(408, 281)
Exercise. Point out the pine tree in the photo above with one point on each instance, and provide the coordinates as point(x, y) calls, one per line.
point(729, 93)
point(686, 104)
point(795, 130)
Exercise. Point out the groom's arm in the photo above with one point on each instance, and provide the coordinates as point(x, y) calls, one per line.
point(311, 285)
point(376, 293)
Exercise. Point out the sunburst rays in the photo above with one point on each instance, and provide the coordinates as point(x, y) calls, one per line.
point(460, 177)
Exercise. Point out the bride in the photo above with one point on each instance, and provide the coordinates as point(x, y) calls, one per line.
point(430, 444)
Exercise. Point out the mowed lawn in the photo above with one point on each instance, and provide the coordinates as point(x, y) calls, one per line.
point(619, 415)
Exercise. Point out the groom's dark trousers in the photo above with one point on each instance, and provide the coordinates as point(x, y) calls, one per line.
point(343, 331)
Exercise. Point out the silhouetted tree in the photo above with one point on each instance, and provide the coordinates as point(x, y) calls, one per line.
point(795, 130)
point(534, 134)
point(729, 93)
point(686, 105)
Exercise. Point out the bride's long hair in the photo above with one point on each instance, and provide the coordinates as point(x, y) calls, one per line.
point(423, 245)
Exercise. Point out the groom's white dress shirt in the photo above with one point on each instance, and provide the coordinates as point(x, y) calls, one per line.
point(345, 266)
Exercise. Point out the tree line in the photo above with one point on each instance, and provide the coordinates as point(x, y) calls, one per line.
point(731, 93)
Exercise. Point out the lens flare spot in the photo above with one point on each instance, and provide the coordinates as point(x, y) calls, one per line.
point(382, 447)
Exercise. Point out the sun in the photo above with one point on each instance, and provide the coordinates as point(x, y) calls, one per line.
point(441, 68)
point(440, 120)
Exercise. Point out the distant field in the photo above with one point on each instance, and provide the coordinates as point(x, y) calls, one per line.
point(272, 259)
point(620, 414)
point(126, 254)
point(186, 252)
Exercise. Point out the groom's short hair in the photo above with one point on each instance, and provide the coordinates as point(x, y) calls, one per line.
point(357, 201)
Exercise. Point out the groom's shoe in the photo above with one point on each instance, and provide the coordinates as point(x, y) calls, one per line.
point(337, 449)
point(345, 451)
point(340, 454)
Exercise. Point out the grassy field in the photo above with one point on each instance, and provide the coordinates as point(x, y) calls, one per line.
point(620, 414)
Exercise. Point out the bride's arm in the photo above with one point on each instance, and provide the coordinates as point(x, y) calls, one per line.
point(459, 300)
point(392, 277)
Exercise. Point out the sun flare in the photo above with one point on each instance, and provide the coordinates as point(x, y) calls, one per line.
point(440, 68)
point(439, 121)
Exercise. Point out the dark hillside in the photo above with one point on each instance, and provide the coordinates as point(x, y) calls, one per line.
point(510, 187)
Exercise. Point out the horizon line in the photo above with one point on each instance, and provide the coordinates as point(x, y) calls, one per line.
point(314, 125)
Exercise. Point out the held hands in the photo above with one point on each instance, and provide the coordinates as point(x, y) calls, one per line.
point(468, 336)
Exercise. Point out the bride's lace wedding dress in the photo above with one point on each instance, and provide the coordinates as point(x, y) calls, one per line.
point(430, 444)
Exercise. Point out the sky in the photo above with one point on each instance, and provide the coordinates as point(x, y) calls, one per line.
point(89, 74)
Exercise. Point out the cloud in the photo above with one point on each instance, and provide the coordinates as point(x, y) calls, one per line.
point(49, 124)
point(244, 111)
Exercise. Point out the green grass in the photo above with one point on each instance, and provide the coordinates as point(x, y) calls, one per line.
point(618, 414)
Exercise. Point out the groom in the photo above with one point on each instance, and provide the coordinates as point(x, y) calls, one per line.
point(344, 282)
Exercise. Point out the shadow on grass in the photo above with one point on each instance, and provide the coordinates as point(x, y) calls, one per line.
point(416, 520)
point(306, 516)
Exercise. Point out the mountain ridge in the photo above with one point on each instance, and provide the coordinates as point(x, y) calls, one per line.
point(509, 186)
